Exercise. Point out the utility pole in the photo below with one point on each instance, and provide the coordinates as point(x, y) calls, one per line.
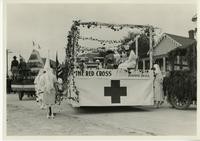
point(7, 52)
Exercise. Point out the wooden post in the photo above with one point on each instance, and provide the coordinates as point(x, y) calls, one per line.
point(181, 62)
point(178, 62)
point(7, 53)
point(6, 62)
point(164, 64)
point(136, 46)
point(150, 48)
point(136, 50)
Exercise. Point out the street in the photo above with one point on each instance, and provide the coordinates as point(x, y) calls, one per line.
point(26, 118)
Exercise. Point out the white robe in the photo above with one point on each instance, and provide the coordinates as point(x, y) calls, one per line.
point(47, 81)
point(158, 84)
point(130, 63)
point(37, 81)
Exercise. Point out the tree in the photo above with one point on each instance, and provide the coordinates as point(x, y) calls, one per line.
point(143, 43)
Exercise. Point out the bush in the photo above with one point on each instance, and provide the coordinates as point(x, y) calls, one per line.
point(181, 83)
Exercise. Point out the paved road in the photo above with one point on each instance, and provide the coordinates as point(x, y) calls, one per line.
point(25, 118)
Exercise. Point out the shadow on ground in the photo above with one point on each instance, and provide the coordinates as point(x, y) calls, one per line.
point(96, 110)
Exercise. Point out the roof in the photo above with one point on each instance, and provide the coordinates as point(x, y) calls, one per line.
point(184, 41)
point(168, 42)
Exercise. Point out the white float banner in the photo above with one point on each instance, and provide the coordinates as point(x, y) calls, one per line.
point(114, 88)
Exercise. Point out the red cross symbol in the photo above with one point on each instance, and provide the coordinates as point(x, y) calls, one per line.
point(115, 91)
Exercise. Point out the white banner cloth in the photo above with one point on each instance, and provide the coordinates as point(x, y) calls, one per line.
point(114, 91)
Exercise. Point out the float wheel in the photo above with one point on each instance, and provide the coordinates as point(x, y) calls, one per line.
point(180, 103)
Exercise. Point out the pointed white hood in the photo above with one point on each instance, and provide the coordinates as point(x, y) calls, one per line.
point(49, 77)
point(132, 56)
point(47, 64)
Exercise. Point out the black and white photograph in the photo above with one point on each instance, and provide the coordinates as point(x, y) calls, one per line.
point(100, 69)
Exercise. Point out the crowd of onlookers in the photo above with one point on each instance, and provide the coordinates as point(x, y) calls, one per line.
point(18, 68)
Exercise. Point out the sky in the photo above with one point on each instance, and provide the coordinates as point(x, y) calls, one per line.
point(48, 24)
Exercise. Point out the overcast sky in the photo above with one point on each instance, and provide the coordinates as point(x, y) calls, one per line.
point(48, 24)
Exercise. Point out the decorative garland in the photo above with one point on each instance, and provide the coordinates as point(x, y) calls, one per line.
point(71, 51)
point(114, 27)
point(94, 49)
point(101, 41)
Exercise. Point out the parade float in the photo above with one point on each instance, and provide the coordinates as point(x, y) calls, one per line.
point(94, 80)
point(23, 84)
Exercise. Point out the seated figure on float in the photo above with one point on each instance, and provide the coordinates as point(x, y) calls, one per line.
point(130, 63)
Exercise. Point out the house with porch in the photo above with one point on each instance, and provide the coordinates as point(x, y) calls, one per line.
point(165, 44)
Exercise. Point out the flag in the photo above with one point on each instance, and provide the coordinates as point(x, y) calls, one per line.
point(33, 43)
point(59, 70)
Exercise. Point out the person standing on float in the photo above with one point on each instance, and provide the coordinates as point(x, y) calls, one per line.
point(14, 67)
point(23, 68)
point(48, 79)
point(158, 86)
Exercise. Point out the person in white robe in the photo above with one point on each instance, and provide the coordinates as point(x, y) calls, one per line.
point(158, 86)
point(36, 81)
point(130, 63)
point(48, 81)
point(38, 89)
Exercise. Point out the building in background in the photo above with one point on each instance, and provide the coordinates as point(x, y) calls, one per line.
point(166, 43)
